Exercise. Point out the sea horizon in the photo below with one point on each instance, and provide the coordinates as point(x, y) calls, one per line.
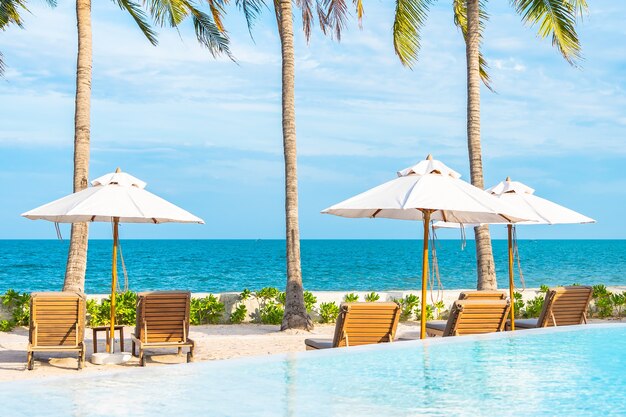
point(231, 265)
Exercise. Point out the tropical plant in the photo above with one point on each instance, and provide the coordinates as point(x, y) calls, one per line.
point(408, 305)
point(309, 301)
point(351, 298)
point(533, 307)
point(518, 304)
point(331, 17)
point(619, 300)
point(439, 308)
point(271, 305)
point(372, 297)
point(125, 309)
point(553, 18)
point(207, 310)
point(238, 315)
point(18, 306)
point(164, 13)
point(429, 312)
point(329, 312)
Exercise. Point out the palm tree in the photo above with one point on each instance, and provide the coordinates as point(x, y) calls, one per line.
point(332, 17)
point(554, 18)
point(167, 12)
point(10, 15)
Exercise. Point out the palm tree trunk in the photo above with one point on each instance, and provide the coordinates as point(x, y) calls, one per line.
point(484, 255)
point(295, 316)
point(77, 255)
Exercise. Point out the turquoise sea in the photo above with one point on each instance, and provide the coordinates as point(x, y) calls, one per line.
point(342, 265)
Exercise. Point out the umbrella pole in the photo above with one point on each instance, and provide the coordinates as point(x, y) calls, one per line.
point(511, 277)
point(111, 338)
point(426, 214)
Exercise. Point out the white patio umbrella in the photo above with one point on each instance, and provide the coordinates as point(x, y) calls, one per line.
point(427, 191)
point(537, 209)
point(116, 198)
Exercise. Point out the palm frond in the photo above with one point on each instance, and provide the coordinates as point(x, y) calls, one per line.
point(460, 20)
point(170, 12)
point(306, 6)
point(217, 10)
point(409, 19)
point(358, 4)
point(2, 65)
point(333, 15)
point(580, 6)
point(555, 18)
point(251, 10)
point(10, 13)
point(140, 18)
point(208, 34)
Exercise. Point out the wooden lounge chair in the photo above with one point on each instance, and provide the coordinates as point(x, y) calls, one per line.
point(472, 316)
point(563, 306)
point(361, 324)
point(483, 295)
point(57, 324)
point(162, 322)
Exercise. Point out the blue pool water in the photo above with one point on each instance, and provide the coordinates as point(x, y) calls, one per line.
point(570, 371)
point(341, 265)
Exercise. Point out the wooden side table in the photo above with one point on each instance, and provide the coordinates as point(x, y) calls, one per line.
point(106, 329)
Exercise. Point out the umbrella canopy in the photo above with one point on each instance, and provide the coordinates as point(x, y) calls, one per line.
point(428, 190)
point(537, 209)
point(115, 197)
point(428, 186)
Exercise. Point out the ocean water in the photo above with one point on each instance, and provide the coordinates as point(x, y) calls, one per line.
point(341, 265)
point(567, 371)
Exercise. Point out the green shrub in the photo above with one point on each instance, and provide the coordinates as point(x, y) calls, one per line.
point(604, 306)
point(408, 305)
point(125, 309)
point(6, 325)
point(439, 307)
point(239, 313)
point(600, 291)
point(271, 313)
point(603, 302)
point(429, 312)
point(271, 305)
point(309, 301)
point(372, 297)
point(18, 305)
point(268, 293)
point(619, 300)
point(351, 298)
point(207, 310)
point(518, 304)
point(543, 289)
point(533, 307)
point(329, 312)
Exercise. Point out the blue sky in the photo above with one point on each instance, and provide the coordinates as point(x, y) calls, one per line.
point(206, 133)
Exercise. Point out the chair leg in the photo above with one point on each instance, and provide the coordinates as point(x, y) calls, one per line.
point(133, 348)
point(180, 351)
point(30, 361)
point(142, 357)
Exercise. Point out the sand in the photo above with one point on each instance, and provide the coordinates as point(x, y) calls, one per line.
point(213, 342)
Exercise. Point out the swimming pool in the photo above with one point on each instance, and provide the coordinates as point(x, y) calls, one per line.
point(569, 371)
